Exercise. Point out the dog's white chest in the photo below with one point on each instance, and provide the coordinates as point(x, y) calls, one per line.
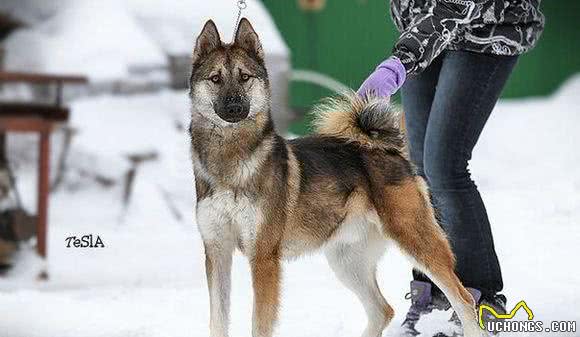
point(225, 217)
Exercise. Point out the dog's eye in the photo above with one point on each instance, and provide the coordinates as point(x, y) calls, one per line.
point(245, 77)
point(215, 78)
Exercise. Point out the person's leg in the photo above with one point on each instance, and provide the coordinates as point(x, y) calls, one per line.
point(468, 88)
point(417, 96)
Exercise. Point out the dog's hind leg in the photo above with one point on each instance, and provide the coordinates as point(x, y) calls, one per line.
point(409, 220)
point(355, 266)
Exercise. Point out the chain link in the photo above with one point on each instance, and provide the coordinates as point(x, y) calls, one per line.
point(241, 6)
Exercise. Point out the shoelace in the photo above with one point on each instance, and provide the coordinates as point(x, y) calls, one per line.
point(415, 311)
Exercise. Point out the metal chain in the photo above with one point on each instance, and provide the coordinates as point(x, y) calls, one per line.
point(241, 6)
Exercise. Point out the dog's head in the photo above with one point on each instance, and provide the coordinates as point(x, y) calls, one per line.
point(229, 82)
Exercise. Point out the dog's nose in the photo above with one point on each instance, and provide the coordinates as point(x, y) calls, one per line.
point(234, 109)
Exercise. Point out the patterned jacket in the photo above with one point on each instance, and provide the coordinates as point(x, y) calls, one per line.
point(501, 27)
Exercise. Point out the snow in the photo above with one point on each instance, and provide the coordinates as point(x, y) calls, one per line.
point(31, 11)
point(100, 39)
point(175, 26)
point(149, 280)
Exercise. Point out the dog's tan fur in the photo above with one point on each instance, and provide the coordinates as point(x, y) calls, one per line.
point(346, 191)
point(339, 117)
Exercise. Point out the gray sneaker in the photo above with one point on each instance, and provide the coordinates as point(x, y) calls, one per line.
point(422, 302)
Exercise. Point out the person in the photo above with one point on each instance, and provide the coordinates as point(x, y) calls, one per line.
point(452, 60)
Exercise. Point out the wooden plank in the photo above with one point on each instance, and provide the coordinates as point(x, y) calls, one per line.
point(30, 124)
point(6, 76)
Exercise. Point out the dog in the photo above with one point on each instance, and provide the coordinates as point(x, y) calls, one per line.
point(348, 190)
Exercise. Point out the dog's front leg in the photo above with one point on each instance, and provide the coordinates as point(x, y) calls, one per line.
point(266, 281)
point(218, 265)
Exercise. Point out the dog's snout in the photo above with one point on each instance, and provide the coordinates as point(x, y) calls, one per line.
point(234, 109)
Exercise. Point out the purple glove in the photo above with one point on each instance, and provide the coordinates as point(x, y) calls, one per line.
point(385, 80)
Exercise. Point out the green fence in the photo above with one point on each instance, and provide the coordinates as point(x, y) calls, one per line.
point(348, 38)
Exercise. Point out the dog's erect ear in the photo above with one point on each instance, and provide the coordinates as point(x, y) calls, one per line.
point(207, 41)
point(247, 39)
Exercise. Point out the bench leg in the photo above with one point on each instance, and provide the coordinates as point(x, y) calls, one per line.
point(43, 190)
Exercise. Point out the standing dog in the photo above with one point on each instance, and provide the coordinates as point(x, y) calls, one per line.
point(348, 190)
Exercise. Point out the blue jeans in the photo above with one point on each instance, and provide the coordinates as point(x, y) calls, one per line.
point(446, 108)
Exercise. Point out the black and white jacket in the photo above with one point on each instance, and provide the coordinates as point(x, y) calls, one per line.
point(501, 27)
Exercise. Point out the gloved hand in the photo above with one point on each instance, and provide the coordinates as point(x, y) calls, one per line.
point(387, 78)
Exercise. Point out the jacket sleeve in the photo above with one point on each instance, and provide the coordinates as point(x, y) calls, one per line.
point(429, 34)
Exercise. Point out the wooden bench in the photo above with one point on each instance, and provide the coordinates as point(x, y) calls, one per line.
point(40, 119)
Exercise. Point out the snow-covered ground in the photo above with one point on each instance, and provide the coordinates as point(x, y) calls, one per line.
point(149, 279)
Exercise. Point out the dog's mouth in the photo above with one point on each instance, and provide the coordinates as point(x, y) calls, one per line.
point(233, 118)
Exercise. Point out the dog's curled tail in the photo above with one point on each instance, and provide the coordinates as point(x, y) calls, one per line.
point(370, 122)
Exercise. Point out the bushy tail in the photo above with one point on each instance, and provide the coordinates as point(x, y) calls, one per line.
point(371, 122)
